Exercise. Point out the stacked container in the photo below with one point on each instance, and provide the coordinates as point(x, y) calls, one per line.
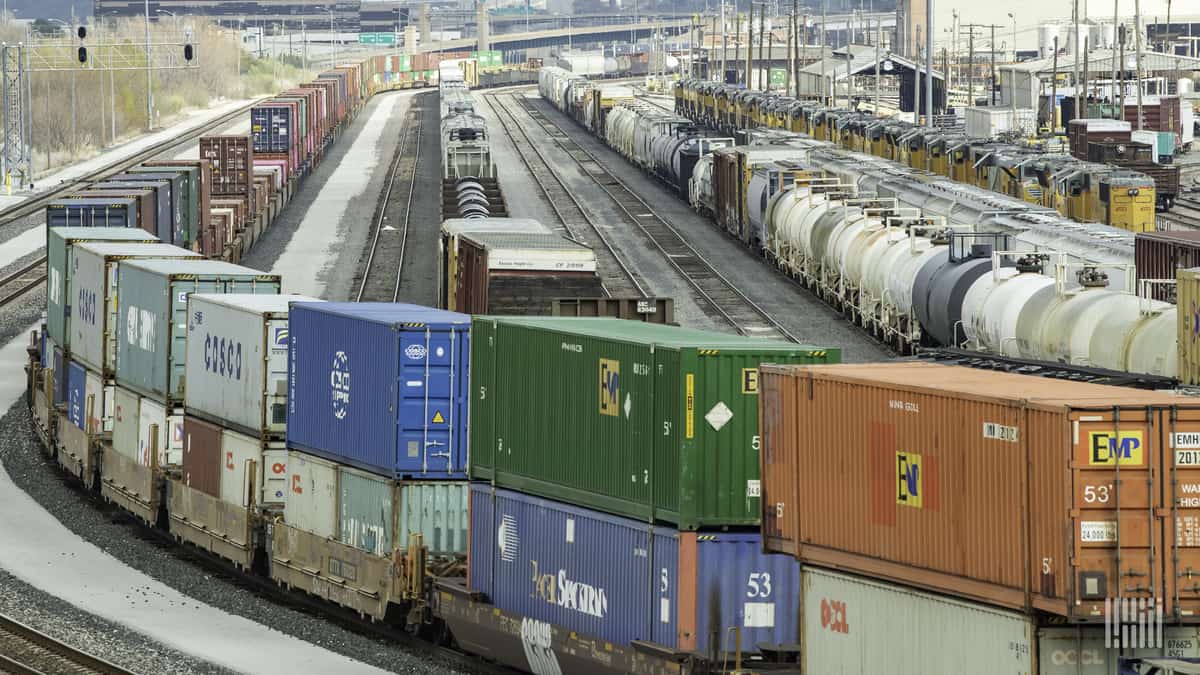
point(236, 396)
point(232, 161)
point(652, 439)
point(377, 424)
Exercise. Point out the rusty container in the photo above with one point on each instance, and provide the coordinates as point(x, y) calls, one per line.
point(1035, 494)
point(1159, 255)
point(232, 161)
point(202, 456)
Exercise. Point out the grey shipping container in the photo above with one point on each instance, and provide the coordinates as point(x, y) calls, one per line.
point(377, 514)
point(179, 190)
point(237, 360)
point(152, 345)
point(146, 197)
point(164, 212)
point(59, 270)
point(1082, 649)
point(95, 319)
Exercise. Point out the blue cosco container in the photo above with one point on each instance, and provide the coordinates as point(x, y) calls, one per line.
point(380, 386)
point(76, 385)
point(621, 580)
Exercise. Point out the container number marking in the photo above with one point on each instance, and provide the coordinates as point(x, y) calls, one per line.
point(1000, 432)
point(1185, 440)
point(1097, 531)
point(753, 488)
point(758, 585)
point(1094, 494)
point(833, 616)
point(1187, 458)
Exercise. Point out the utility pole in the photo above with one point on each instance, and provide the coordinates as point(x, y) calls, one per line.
point(750, 48)
point(971, 68)
point(1113, 85)
point(1121, 77)
point(1054, 91)
point(724, 43)
point(1075, 51)
point(917, 77)
point(762, 65)
point(992, 67)
point(737, 41)
point(803, 50)
point(929, 62)
point(825, 88)
point(149, 84)
point(1086, 78)
point(791, 43)
point(878, 40)
point(1137, 42)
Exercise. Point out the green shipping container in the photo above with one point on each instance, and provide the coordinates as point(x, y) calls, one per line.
point(636, 419)
point(60, 271)
point(378, 514)
point(405, 63)
point(191, 195)
point(153, 320)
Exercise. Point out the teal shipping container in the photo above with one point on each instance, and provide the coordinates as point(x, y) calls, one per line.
point(153, 323)
point(60, 270)
point(378, 514)
point(189, 195)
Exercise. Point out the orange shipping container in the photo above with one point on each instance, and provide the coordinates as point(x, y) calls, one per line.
point(1030, 493)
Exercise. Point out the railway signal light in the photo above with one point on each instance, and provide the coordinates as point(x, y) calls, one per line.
point(83, 54)
point(82, 32)
point(188, 52)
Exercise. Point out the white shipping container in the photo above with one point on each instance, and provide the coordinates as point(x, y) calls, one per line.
point(125, 423)
point(1080, 650)
point(151, 413)
point(312, 495)
point(94, 321)
point(853, 626)
point(237, 453)
point(275, 477)
point(102, 403)
point(986, 122)
point(237, 360)
point(1149, 138)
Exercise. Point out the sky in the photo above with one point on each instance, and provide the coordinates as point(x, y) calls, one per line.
point(1030, 13)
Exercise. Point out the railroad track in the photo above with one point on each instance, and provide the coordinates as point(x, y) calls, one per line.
point(1185, 215)
point(32, 275)
point(27, 651)
point(619, 279)
point(725, 300)
point(380, 279)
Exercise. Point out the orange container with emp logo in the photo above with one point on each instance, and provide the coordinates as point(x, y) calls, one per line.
point(1024, 492)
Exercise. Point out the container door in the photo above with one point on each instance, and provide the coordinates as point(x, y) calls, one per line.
point(173, 343)
point(1180, 444)
point(482, 383)
point(431, 402)
point(1115, 515)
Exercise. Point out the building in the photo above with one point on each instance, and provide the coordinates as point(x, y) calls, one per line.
point(272, 15)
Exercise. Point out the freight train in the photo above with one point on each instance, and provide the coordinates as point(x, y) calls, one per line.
point(1074, 187)
point(356, 452)
point(916, 260)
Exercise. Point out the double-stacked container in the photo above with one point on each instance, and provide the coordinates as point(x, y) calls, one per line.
point(377, 424)
point(236, 396)
point(620, 481)
point(1023, 492)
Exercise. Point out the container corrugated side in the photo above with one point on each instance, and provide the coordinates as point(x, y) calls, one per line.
point(240, 456)
point(1160, 255)
point(76, 390)
point(366, 509)
point(95, 317)
point(621, 580)
point(380, 386)
point(438, 510)
point(101, 410)
point(152, 345)
point(1083, 650)
point(853, 625)
point(894, 472)
point(202, 458)
point(237, 350)
point(619, 388)
point(152, 416)
point(312, 494)
point(59, 270)
point(125, 423)
point(1187, 284)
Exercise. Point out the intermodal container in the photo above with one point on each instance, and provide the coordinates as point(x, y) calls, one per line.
point(96, 319)
point(622, 580)
point(203, 187)
point(237, 360)
point(202, 458)
point(995, 487)
point(670, 433)
point(232, 159)
point(243, 457)
point(60, 376)
point(164, 210)
point(857, 626)
point(175, 181)
point(1159, 255)
point(378, 514)
point(312, 495)
point(60, 242)
point(1083, 650)
point(152, 347)
point(97, 212)
point(380, 386)
point(76, 390)
point(125, 423)
point(1187, 285)
point(147, 202)
point(272, 127)
point(101, 396)
point(155, 419)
